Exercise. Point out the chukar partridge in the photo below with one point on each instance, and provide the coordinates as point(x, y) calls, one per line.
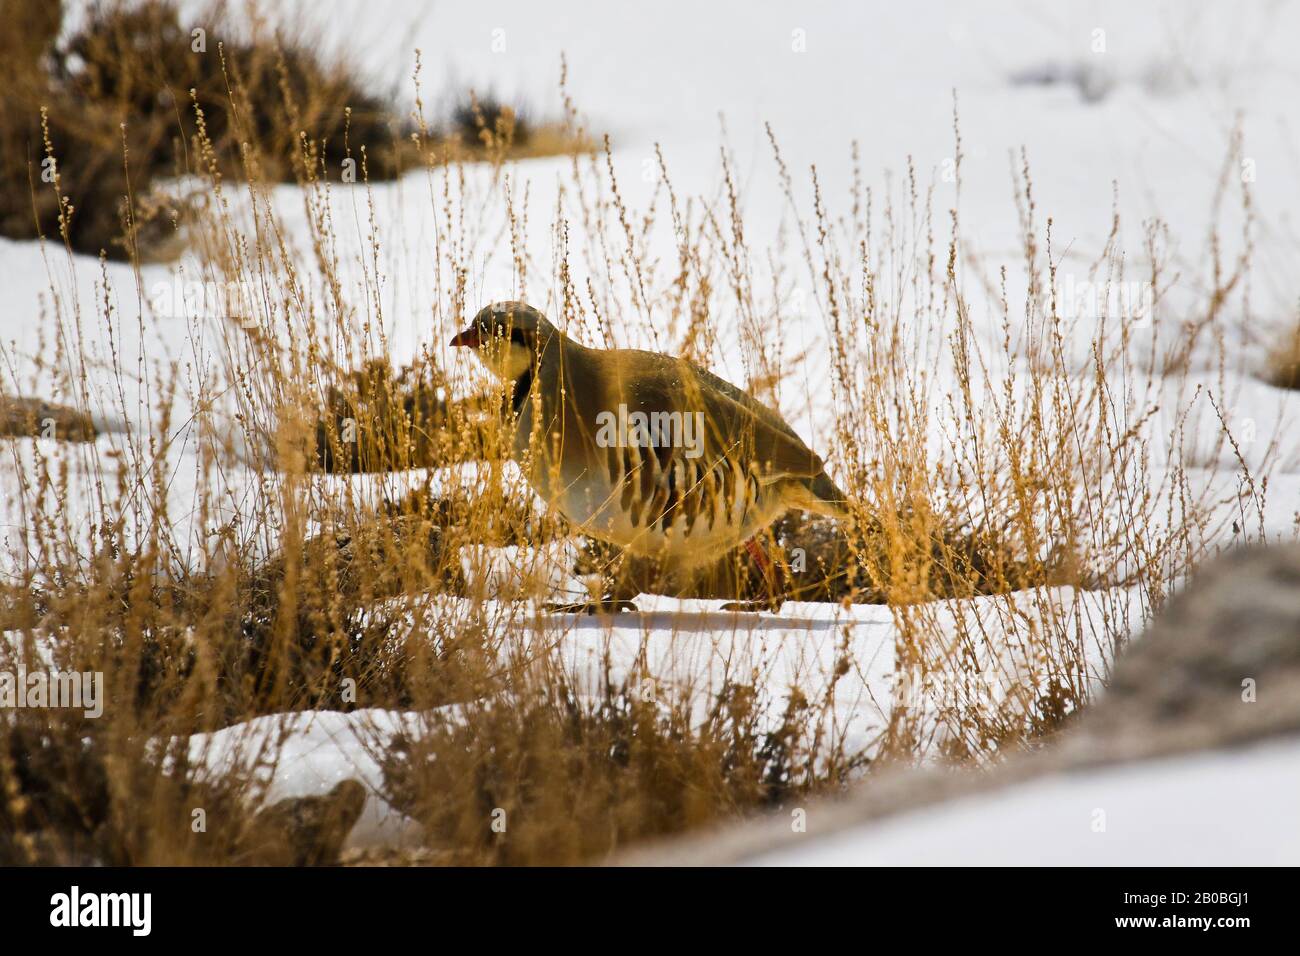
point(648, 452)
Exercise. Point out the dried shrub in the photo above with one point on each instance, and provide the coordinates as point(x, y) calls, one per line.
point(378, 421)
point(93, 127)
point(557, 778)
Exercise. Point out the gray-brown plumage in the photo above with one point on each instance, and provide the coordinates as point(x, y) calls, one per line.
point(648, 452)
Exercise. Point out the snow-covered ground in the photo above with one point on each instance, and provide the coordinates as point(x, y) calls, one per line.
point(1219, 808)
point(1145, 95)
point(1180, 76)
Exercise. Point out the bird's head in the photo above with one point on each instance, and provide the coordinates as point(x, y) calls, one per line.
point(508, 337)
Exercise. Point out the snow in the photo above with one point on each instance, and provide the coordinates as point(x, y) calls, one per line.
point(1221, 808)
point(695, 647)
point(1153, 112)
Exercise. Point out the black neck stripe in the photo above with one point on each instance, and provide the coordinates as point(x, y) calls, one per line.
point(523, 385)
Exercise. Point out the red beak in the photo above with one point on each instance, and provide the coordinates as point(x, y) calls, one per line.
point(468, 337)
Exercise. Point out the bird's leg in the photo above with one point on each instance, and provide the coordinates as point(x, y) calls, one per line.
point(774, 600)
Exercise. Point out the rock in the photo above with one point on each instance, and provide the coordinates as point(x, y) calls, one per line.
point(305, 831)
point(1220, 666)
point(36, 418)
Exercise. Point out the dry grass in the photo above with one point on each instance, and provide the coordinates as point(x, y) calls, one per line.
point(573, 778)
point(115, 111)
point(305, 574)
